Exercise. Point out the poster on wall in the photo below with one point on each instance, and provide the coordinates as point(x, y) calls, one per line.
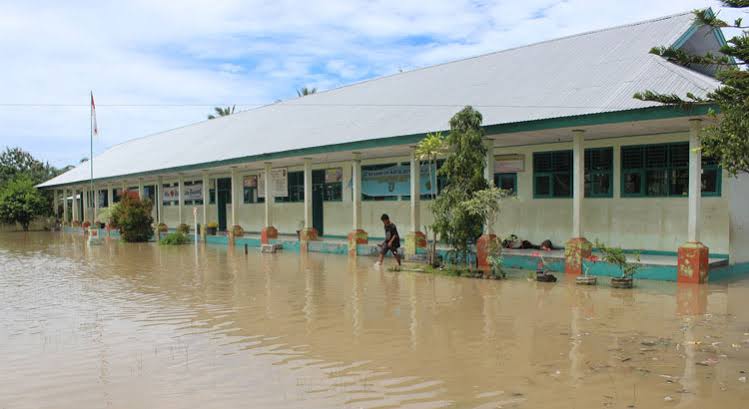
point(395, 181)
point(334, 175)
point(250, 181)
point(509, 163)
point(279, 183)
point(193, 192)
point(171, 194)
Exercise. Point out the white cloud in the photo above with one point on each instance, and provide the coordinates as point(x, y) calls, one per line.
point(194, 52)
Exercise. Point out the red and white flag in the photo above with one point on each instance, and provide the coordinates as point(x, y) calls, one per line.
point(94, 126)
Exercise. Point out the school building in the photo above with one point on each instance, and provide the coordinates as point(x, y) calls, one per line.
point(585, 159)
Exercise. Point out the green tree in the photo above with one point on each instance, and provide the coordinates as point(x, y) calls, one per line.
point(464, 176)
point(133, 217)
point(304, 91)
point(222, 112)
point(16, 161)
point(428, 150)
point(727, 140)
point(21, 202)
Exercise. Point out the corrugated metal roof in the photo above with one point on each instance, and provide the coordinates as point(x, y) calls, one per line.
point(587, 73)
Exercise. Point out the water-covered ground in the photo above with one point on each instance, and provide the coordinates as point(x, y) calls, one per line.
point(142, 326)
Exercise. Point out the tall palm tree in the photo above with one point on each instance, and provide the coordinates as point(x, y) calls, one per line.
point(304, 91)
point(222, 112)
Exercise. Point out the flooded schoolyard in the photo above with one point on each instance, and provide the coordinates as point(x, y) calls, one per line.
point(142, 326)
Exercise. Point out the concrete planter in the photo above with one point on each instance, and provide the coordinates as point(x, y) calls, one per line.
point(622, 282)
point(586, 280)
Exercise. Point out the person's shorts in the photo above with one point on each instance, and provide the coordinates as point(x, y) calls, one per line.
point(384, 250)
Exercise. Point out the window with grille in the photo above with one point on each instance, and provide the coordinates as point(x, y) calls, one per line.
point(552, 174)
point(662, 170)
point(295, 188)
point(599, 172)
point(507, 181)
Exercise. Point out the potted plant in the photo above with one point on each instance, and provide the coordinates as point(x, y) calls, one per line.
point(86, 224)
point(587, 279)
point(542, 273)
point(211, 228)
point(162, 228)
point(616, 256)
point(237, 230)
point(183, 228)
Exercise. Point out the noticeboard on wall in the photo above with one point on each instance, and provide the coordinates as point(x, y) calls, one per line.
point(509, 163)
point(279, 183)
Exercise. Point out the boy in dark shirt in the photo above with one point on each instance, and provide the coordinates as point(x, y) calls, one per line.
point(392, 240)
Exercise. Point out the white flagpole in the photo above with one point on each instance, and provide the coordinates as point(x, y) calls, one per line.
point(91, 147)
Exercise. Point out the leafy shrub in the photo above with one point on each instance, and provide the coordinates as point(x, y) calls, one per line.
point(162, 227)
point(237, 230)
point(133, 218)
point(617, 257)
point(212, 225)
point(183, 228)
point(174, 239)
point(20, 202)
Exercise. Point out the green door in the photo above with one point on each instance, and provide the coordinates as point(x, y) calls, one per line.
point(223, 197)
point(318, 196)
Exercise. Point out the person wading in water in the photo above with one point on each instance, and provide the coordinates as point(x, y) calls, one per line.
point(392, 241)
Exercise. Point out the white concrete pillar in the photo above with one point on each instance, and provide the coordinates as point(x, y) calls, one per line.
point(205, 200)
point(110, 195)
point(307, 193)
point(65, 205)
point(695, 180)
point(96, 203)
point(415, 192)
point(356, 191)
point(268, 196)
point(489, 175)
point(578, 181)
point(233, 196)
point(180, 183)
point(75, 204)
point(86, 205)
point(140, 189)
point(160, 200)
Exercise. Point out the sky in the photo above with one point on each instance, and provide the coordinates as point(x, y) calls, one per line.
point(157, 65)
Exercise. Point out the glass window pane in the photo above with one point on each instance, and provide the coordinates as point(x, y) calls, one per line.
point(543, 185)
point(680, 182)
point(562, 185)
point(507, 182)
point(656, 182)
point(710, 181)
point(601, 184)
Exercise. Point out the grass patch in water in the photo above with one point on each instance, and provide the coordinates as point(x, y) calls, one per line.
point(174, 239)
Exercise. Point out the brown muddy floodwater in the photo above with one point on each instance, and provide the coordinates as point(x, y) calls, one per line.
point(142, 326)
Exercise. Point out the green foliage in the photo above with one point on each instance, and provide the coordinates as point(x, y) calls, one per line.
point(726, 140)
point(183, 228)
point(220, 111)
point(20, 201)
point(429, 149)
point(617, 257)
point(175, 238)
point(304, 91)
point(105, 215)
point(133, 218)
point(464, 173)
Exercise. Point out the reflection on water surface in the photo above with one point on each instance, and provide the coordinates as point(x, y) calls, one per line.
point(142, 326)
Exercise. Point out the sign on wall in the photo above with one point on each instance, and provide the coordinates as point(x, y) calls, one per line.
point(193, 192)
point(509, 163)
point(279, 186)
point(171, 193)
point(334, 175)
point(394, 181)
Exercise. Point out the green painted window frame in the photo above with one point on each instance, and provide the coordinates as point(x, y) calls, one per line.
point(514, 177)
point(607, 170)
point(669, 169)
point(554, 155)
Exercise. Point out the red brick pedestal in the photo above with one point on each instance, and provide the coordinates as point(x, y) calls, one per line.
point(575, 251)
point(692, 265)
point(267, 234)
point(305, 236)
point(483, 250)
point(355, 238)
point(414, 241)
